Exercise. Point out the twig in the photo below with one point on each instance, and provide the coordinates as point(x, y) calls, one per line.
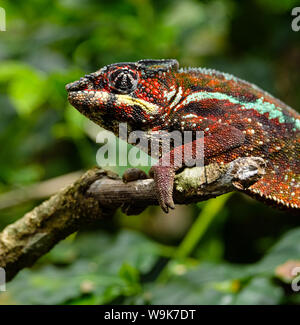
point(98, 193)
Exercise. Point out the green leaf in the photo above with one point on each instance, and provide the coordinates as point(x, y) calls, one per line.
point(285, 249)
point(178, 292)
point(260, 291)
point(107, 267)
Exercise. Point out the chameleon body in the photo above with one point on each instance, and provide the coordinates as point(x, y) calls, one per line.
point(238, 120)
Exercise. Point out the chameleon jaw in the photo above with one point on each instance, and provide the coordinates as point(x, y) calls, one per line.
point(85, 99)
point(96, 98)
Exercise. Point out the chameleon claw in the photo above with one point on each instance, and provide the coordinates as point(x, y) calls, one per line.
point(167, 205)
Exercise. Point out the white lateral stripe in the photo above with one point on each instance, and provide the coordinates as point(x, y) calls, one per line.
point(128, 100)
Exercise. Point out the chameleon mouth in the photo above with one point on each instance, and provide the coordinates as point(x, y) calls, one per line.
point(85, 99)
point(83, 95)
point(90, 98)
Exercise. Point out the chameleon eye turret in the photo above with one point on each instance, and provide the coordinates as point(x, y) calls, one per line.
point(123, 80)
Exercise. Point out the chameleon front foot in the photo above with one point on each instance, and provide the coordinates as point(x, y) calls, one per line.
point(133, 174)
point(164, 180)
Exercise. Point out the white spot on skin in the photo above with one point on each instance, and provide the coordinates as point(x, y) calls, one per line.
point(189, 116)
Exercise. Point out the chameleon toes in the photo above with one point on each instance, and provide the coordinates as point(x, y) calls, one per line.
point(133, 174)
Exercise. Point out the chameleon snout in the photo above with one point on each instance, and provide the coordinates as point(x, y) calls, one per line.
point(81, 84)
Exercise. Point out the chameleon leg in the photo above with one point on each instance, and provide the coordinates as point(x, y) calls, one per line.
point(220, 141)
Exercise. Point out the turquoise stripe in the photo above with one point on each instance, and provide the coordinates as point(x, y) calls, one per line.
point(259, 105)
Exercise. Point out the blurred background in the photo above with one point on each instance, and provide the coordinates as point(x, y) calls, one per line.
point(229, 250)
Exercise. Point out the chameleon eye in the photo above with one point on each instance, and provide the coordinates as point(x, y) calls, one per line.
point(123, 80)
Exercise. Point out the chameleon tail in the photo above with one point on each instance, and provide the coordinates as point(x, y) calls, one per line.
point(281, 183)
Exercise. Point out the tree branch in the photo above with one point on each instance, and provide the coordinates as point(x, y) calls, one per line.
point(98, 193)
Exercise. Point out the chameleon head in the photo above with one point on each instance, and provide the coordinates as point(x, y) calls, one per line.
point(133, 92)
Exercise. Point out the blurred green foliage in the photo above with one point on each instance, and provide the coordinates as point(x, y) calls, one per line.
point(99, 268)
point(50, 43)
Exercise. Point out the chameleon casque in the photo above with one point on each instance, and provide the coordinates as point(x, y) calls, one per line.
point(238, 120)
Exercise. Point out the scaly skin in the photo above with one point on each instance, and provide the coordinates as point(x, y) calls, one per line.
point(238, 120)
